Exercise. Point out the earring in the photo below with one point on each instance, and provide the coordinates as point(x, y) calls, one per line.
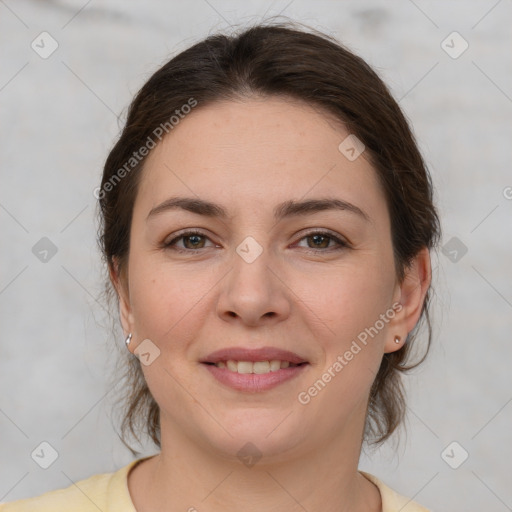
point(397, 339)
point(128, 339)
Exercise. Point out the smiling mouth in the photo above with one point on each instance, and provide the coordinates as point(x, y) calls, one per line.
point(257, 367)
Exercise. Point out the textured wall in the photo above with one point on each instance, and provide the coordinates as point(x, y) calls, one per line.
point(59, 119)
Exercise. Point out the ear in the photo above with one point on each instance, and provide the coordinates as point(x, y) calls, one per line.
point(120, 283)
point(411, 295)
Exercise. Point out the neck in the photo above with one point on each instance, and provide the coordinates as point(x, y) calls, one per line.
point(188, 477)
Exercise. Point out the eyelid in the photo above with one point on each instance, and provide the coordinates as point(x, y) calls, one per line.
point(340, 242)
point(169, 241)
point(324, 231)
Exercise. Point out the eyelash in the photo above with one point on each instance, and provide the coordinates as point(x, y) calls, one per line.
point(341, 244)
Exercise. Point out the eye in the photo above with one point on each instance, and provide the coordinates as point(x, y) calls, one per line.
point(321, 240)
point(191, 239)
point(194, 240)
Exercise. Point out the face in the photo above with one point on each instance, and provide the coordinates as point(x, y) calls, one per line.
point(265, 275)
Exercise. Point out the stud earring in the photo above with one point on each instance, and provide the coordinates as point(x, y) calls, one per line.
point(128, 339)
point(397, 339)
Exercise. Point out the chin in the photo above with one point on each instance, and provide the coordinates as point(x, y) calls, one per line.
point(256, 433)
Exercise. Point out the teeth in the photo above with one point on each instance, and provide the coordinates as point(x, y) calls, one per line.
point(232, 365)
point(258, 367)
point(244, 367)
point(275, 365)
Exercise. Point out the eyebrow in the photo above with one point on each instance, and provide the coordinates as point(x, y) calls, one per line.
point(286, 209)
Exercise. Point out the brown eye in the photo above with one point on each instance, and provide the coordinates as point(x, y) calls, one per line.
point(192, 240)
point(319, 240)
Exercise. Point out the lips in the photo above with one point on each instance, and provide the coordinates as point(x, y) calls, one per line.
point(253, 355)
point(254, 370)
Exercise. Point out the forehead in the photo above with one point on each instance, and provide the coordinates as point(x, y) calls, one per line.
point(256, 152)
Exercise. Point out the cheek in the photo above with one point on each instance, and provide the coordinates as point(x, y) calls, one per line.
point(170, 307)
point(349, 298)
point(166, 298)
point(166, 304)
point(352, 301)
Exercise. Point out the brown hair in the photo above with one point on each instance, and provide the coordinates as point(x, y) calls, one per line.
point(279, 59)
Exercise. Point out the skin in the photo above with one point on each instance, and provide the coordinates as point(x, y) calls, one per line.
point(248, 156)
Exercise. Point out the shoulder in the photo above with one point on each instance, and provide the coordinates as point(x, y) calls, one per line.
point(107, 492)
point(391, 500)
point(85, 495)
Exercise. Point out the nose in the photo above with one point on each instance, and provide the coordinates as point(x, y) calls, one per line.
point(254, 293)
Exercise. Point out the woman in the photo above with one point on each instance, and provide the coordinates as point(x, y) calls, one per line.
point(266, 221)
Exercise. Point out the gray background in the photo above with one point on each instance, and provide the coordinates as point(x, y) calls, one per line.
point(59, 120)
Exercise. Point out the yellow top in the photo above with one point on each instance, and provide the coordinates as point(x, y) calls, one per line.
point(109, 492)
